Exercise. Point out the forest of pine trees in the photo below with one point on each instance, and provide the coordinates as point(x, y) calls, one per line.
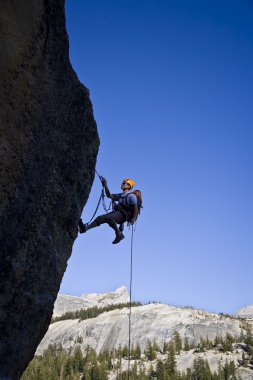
point(59, 364)
point(92, 312)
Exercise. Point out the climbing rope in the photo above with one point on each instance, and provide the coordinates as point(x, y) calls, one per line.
point(107, 209)
point(130, 302)
point(102, 197)
point(99, 176)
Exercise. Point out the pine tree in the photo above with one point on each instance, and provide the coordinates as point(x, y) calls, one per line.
point(90, 355)
point(160, 372)
point(171, 364)
point(103, 372)
point(228, 343)
point(125, 352)
point(177, 341)
point(188, 374)
point(226, 371)
point(249, 341)
point(165, 347)
point(95, 373)
point(39, 374)
point(68, 368)
point(232, 370)
point(201, 370)
point(155, 346)
point(86, 374)
point(209, 343)
point(78, 360)
point(186, 344)
point(244, 361)
point(220, 371)
point(150, 352)
point(136, 352)
point(151, 372)
point(202, 345)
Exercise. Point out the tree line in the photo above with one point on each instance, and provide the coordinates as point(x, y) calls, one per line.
point(75, 364)
point(92, 312)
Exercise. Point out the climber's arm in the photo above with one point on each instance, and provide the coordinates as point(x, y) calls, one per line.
point(107, 191)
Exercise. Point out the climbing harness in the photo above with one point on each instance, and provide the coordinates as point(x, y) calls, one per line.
point(130, 302)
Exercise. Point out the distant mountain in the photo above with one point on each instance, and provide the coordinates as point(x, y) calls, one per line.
point(152, 323)
point(149, 322)
point(65, 303)
point(245, 312)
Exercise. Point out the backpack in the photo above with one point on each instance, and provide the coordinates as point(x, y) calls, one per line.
point(138, 195)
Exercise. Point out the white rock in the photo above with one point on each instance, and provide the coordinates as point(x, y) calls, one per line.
point(65, 303)
point(186, 359)
point(243, 373)
point(104, 299)
point(149, 322)
point(245, 312)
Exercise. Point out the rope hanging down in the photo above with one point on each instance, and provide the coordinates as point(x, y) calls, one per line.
point(102, 196)
point(130, 303)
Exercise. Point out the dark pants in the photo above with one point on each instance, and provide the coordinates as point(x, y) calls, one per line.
point(113, 218)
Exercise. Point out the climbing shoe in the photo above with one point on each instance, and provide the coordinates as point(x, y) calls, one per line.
point(82, 227)
point(118, 238)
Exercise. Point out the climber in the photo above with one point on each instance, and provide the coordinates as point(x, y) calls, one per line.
point(126, 209)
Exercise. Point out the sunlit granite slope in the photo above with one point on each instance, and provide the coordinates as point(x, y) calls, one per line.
point(65, 303)
point(245, 312)
point(149, 322)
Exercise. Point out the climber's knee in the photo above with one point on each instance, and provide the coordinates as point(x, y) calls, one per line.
point(100, 220)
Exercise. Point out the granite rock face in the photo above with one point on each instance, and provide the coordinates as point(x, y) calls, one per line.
point(65, 303)
point(48, 150)
point(148, 323)
point(244, 373)
point(245, 312)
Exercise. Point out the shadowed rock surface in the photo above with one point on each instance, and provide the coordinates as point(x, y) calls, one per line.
point(48, 149)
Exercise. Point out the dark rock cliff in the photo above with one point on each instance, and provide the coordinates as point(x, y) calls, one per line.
point(48, 149)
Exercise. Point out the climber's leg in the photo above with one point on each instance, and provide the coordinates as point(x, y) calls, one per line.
point(111, 219)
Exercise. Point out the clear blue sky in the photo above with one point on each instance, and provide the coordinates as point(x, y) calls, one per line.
point(171, 84)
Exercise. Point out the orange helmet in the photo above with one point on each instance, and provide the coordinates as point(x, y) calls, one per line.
point(129, 181)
